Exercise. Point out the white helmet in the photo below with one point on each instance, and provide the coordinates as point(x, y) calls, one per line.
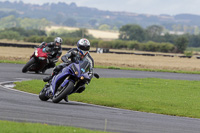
point(83, 46)
point(58, 40)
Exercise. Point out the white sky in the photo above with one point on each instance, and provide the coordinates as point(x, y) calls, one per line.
point(153, 7)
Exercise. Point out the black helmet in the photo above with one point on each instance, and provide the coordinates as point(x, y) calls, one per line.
point(58, 40)
point(83, 46)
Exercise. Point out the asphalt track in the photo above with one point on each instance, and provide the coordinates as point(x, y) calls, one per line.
point(25, 107)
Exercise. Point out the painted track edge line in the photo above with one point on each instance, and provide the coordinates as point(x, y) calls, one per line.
point(7, 82)
point(94, 105)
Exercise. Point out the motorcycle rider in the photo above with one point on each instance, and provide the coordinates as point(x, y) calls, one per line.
point(72, 56)
point(55, 49)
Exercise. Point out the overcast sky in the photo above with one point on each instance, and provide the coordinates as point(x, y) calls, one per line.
point(153, 7)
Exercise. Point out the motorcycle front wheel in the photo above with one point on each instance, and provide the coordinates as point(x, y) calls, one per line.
point(43, 96)
point(61, 93)
point(28, 65)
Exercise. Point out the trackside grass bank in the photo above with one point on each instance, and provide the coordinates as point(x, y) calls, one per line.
point(162, 96)
point(18, 127)
point(13, 62)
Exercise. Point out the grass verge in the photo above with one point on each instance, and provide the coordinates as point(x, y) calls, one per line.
point(162, 96)
point(18, 127)
point(150, 70)
point(13, 62)
point(143, 69)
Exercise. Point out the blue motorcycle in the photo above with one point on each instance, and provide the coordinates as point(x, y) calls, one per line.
point(68, 81)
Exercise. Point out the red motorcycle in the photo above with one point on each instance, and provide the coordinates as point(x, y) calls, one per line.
point(37, 61)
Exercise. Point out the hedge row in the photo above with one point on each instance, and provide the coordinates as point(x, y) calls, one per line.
point(115, 44)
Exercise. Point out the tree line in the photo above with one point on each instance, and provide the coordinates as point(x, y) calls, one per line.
point(26, 23)
point(71, 38)
point(131, 37)
point(158, 34)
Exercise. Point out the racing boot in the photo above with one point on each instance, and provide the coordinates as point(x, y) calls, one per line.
point(43, 71)
point(50, 65)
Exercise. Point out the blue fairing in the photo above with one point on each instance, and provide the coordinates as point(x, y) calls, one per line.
point(56, 78)
point(69, 70)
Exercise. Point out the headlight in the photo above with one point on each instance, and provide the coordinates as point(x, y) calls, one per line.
point(36, 53)
point(74, 69)
point(76, 72)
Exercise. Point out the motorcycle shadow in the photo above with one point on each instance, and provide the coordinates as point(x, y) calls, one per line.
point(38, 73)
point(72, 103)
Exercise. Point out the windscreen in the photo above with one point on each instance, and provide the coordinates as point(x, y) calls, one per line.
point(84, 65)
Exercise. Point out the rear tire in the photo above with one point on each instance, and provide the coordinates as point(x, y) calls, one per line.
point(43, 96)
point(63, 92)
point(28, 64)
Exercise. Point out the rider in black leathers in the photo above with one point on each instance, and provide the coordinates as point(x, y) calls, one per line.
point(74, 55)
point(55, 49)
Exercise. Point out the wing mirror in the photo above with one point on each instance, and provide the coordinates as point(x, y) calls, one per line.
point(96, 75)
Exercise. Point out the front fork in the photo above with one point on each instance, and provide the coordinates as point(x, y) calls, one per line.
point(67, 80)
point(50, 92)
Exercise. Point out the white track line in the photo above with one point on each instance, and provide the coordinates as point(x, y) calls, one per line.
point(8, 82)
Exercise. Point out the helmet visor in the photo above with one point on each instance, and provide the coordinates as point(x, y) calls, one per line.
point(84, 48)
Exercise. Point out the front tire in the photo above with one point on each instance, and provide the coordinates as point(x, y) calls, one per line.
point(61, 94)
point(28, 64)
point(43, 96)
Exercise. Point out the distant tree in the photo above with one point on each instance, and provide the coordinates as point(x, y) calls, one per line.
point(196, 30)
point(82, 32)
point(27, 33)
point(104, 27)
point(194, 40)
point(132, 32)
point(168, 38)
point(115, 28)
point(177, 27)
point(17, 33)
point(153, 32)
point(8, 22)
point(26, 23)
point(10, 35)
point(181, 44)
point(43, 23)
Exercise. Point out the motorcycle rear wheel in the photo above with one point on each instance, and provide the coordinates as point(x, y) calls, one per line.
point(28, 64)
point(59, 95)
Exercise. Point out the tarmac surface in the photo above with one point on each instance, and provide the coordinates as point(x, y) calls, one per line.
point(26, 107)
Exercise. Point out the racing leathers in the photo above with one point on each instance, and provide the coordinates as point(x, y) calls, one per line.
point(72, 56)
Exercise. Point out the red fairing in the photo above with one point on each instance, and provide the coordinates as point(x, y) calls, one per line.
point(41, 53)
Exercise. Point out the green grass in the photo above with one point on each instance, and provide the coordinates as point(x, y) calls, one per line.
point(196, 49)
point(18, 127)
point(150, 70)
point(162, 96)
point(14, 62)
